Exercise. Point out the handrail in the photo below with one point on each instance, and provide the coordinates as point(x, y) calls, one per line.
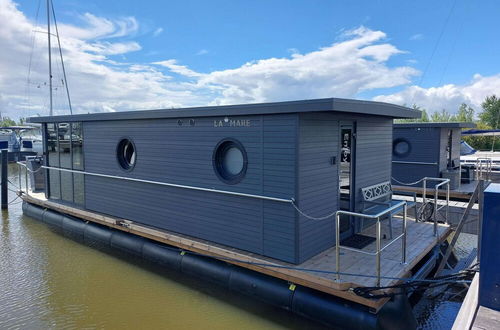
point(233, 193)
point(488, 164)
point(436, 193)
point(379, 248)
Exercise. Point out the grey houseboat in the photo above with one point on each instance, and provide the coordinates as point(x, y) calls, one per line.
point(427, 150)
point(226, 174)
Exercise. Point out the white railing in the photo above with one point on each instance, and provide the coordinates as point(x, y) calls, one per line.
point(379, 247)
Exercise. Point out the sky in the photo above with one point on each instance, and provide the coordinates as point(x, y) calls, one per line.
point(132, 55)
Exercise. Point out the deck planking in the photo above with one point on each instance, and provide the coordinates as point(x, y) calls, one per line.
point(420, 240)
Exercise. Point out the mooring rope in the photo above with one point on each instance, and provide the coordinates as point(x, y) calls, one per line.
point(408, 183)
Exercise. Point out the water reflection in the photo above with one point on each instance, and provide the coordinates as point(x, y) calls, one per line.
point(51, 281)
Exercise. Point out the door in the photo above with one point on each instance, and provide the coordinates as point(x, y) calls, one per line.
point(346, 176)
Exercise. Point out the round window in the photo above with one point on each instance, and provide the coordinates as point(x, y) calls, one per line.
point(230, 161)
point(401, 147)
point(126, 154)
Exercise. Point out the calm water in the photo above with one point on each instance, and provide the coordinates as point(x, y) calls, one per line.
point(49, 281)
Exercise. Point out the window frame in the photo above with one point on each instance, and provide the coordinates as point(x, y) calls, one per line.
point(217, 161)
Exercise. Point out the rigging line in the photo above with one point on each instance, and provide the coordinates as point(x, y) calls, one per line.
point(448, 60)
point(62, 61)
point(435, 47)
point(31, 55)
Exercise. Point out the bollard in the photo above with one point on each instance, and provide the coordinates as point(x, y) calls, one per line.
point(5, 180)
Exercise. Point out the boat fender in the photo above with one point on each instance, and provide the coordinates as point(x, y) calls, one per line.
point(53, 218)
point(73, 227)
point(330, 310)
point(32, 211)
point(208, 269)
point(127, 242)
point(263, 287)
point(165, 256)
point(96, 234)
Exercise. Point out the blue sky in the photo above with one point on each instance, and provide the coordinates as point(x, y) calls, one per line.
point(213, 40)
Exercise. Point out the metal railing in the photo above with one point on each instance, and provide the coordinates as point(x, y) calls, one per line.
point(225, 192)
point(482, 165)
point(379, 247)
point(443, 182)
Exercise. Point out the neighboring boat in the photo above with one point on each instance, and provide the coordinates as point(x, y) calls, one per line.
point(21, 141)
point(472, 157)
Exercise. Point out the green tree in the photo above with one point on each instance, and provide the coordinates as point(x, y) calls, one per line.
point(465, 113)
point(442, 116)
point(491, 112)
point(6, 121)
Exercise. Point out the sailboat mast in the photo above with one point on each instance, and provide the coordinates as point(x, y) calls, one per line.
point(50, 56)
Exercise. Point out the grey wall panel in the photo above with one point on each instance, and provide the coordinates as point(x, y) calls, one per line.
point(182, 154)
point(317, 181)
point(424, 142)
point(373, 153)
point(425, 145)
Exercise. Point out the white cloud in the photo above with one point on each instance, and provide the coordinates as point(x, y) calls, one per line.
point(179, 69)
point(344, 69)
point(449, 96)
point(417, 36)
point(202, 52)
point(157, 32)
point(95, 27)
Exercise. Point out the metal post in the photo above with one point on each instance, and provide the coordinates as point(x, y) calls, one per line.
point(5, 179)
point(480, 216)
point(403, 260)
point(378, 251)
point(26, 178)
point(447, 202)
point(337, 245)
point(435, 212)
point(19, 176)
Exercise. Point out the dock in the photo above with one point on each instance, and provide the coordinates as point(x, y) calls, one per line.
point(420, 240)
point(472, 315)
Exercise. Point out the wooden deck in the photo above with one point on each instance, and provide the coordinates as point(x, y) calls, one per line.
point(419, 242)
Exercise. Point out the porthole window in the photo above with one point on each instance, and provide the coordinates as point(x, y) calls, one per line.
point(230, 161)
point(126, 154)
point(401, 147)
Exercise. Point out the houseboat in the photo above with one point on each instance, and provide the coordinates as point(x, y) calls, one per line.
point(278, 189)
point(430, 150)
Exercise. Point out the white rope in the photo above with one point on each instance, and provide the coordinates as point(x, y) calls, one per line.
point(311, 217)
point(408, 183)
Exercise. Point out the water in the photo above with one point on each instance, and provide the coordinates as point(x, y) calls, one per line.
point(49, 281)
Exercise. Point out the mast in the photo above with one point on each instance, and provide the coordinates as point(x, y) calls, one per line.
point(50, 57)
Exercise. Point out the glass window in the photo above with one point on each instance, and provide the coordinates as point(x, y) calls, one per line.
point(401, 147)
point(64, 133)
point(77, 145)
point(54, 184)
point(126, 154)
point(79, 188)
point(67, 186)
point(53, 155)
point(230, 161)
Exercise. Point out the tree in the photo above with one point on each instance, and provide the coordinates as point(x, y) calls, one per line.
point(6, 121)
point(465, 113)
point(442, 116)
point(491, 112)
